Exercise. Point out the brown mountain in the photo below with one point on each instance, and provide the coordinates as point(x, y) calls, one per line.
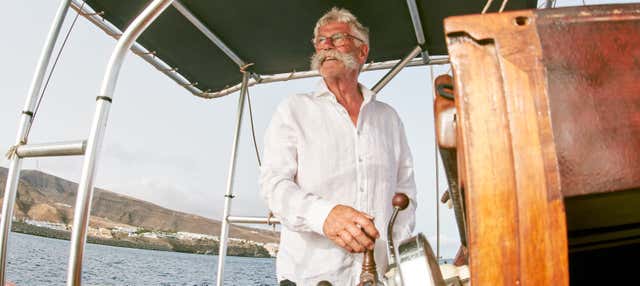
point(46, 197)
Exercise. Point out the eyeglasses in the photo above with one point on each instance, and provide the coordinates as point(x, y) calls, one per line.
point(337, 39)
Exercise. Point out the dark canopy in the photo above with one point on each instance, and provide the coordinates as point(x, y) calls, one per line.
point(275, 35)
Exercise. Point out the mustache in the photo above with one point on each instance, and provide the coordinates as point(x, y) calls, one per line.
point(347, 59)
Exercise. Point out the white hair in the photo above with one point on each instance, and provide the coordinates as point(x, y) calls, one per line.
point(342, 15)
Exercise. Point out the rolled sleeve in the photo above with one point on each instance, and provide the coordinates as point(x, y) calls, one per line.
point(318, 213)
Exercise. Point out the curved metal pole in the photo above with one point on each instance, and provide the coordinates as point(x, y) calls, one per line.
point(13, 176)
point(94, 142)
point(224, 231)
point(113, 31)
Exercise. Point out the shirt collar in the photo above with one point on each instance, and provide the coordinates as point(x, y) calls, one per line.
point(321, 89)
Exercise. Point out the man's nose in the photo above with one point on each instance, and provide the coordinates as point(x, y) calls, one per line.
point(328, 47)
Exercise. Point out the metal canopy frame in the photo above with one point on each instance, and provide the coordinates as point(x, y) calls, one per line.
point(82, 208)
point(417, 26)
point(26, 119)
point(437, 60)
point(256, 79)
point(149, 56)
point(213, 37)
point(91, 147)
point(228, 35)
point(210, 35)
point(174, 73)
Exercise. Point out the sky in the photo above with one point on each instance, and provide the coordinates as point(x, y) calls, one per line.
point(169, 147)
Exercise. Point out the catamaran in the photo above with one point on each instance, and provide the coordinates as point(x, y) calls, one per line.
point(537, 127)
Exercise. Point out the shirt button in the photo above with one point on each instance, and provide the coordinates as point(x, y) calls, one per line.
point(360, 159)
point(361, 189)
point(358, 132)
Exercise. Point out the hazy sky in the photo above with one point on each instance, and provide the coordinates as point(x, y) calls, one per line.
point(166, 146)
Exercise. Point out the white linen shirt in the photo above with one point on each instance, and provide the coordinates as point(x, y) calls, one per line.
point(314, 159)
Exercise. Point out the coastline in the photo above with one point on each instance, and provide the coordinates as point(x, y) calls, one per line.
point(199, 246)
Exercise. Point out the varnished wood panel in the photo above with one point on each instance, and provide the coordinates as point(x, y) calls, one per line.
point(517, 232)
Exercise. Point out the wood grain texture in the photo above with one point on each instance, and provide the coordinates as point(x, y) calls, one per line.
point(517, 231)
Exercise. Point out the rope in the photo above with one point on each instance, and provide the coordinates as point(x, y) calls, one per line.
point(244, 68)
point(13, 151)
point(253, 131)
point(53, 67)
point(291, 75)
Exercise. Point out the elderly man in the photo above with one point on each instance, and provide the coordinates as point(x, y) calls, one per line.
point(333, 159)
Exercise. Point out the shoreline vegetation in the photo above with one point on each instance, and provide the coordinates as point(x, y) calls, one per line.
point(236, 247)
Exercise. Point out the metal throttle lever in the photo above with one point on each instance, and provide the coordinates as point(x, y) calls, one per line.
point(369, 275)
point(400, 202)
point(416, 265)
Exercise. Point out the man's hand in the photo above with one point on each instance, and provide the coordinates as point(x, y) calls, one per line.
point(351, 229)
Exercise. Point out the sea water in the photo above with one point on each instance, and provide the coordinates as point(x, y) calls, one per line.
point(34, 260)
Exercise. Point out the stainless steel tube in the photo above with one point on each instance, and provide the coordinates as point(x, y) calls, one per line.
point(415, 19)
point(13, 176)
point(390, 244)
point(253, 220)
point(138, 49)
point(210, 35)
point(68, 148)
point(437, 60)
point(396, 69)
point(224, 231)
point(96, 135)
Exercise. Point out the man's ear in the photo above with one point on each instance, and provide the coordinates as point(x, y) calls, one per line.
point(363, 53)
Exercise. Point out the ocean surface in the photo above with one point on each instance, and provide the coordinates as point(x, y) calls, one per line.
point(34, 260)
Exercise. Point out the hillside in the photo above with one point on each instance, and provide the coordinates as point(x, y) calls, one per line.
point(46, 197)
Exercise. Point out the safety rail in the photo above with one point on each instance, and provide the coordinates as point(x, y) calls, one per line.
point(67, 148)
point(270, 220)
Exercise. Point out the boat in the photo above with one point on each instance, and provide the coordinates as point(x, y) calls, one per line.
point(509, 128)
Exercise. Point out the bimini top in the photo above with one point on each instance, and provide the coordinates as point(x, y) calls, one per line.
point(202, 44)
